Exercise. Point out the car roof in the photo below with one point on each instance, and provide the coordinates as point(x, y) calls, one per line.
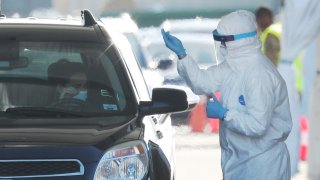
point(33, 29)
point(32, 20)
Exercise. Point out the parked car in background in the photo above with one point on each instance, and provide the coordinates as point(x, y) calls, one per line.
point(196, 25)
point(116, 130)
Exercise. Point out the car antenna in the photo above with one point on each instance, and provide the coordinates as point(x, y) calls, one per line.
point(88, 18)
point(1, 15)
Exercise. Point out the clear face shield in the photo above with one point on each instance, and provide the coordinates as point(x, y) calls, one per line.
point(220, 47)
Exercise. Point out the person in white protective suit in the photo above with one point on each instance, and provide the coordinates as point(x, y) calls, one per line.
point(254, 109)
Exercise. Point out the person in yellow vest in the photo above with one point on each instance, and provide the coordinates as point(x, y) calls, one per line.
point(270, 39)
point(271, 46)
point(264, 18)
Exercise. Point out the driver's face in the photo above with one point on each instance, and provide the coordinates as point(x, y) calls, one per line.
point(78, 81)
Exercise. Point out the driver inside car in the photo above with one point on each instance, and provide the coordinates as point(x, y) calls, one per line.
point(70, 79)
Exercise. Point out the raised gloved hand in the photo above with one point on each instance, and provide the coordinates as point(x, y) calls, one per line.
point(67, 92)
point(214, 108)
point(174, 44)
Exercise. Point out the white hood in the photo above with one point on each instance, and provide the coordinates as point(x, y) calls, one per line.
point(239, 52)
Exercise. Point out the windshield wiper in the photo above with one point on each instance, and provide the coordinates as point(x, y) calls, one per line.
point(42, 112)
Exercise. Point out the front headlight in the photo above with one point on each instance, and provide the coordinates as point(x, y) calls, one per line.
point(124, 161)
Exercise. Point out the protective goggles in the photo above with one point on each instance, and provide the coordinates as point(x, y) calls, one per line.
point(220, 47)
point(226, 38)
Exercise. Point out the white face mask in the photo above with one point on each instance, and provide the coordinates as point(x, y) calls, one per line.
point(82, 95)
point(223, 51)
point(220, 51)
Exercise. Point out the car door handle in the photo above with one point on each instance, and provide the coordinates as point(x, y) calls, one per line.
point(154, 119)
point(159, 134)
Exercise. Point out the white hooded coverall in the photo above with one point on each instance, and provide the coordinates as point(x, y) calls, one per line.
point(253, 132)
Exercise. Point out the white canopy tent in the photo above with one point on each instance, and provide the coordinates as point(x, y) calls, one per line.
point(301, 27)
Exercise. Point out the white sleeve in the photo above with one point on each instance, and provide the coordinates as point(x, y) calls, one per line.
point(201, 81)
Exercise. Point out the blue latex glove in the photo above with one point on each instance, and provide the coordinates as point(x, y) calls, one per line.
point(214, 108)
point(174, 44)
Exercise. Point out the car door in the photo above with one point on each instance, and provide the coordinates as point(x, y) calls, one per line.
point(165, 134)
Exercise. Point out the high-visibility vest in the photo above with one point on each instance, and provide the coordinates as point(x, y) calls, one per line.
point(276, 30)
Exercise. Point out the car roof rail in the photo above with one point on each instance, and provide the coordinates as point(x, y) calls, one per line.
point(2, 16)
point(87, 18)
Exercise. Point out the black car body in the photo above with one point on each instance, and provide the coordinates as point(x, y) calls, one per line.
point(116, 133)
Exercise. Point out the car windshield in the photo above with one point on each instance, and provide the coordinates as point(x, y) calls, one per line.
point(60, 79)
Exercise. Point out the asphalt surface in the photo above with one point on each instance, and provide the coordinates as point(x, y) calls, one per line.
point(198, 156)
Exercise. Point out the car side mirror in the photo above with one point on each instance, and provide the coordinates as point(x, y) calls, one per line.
point(192, 98)
point(165, 100)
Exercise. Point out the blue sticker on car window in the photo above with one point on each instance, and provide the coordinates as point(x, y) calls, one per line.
point(112, 107)
point(241, 100)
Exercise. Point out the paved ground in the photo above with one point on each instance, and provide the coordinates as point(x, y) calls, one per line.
point(198, 156)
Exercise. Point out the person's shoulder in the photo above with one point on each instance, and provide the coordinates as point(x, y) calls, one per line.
point(265, 72)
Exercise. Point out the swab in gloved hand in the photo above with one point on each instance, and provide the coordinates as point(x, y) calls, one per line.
point(214, 108)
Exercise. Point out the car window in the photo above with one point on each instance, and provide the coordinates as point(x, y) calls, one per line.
point(37, 74)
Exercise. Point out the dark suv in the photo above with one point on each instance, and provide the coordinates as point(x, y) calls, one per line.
point(74, 105)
